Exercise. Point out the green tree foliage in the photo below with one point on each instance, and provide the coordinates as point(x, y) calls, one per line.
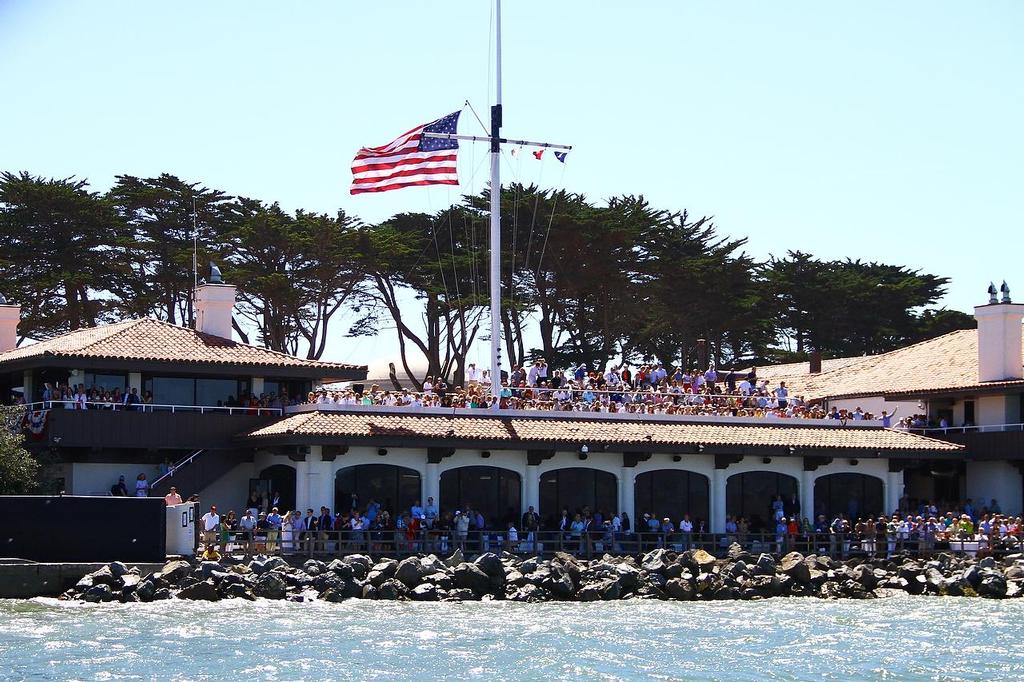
point(294, 273)
point(18, 469)
point(437, 258)
point(57, 252)
point(157, 243)
point(590, 282)
point(850, 307)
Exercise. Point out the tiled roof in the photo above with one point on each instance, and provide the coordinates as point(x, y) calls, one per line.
point(343, 425)
point(147, 339)
point(794, 371)
point(945, 363)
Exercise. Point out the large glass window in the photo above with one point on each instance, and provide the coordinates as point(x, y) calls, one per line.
point(671, 493)
point(751, 494)
point(855, 495)
point(577, 489)
point(216, 392)
point(492, 491)
point(105, 382)
point(211, 392)
point(173, 390)
point(286, 390)
point(394, 488)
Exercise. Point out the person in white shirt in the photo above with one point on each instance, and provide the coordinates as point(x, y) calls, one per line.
point(141, 486)
point(686, 528)
point(512, 537)
point(211, 524)
point(781, 394)
point(472, 374)
point(745, 387)
point(531, 376)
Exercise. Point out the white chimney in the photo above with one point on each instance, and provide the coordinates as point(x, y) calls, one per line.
point(215, 301)
point(10, 315)
point(999, 337)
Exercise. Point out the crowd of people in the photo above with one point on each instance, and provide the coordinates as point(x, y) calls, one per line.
point(263, 527)
point(80, 397)
point(652, 389)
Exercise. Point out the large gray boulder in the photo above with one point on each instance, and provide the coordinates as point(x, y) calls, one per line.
point(174, 571)
point(98, 593)
point(409, 571)
point(992, 584)
point(208, 568)
point(765, 565)
point(655, 561)
point(270, 585)
point(795, 567)
point(385, 567)
point(203, 590)
point(313, 567)
point(391, 589)
point(265, 565)
point(424, 592)
point(471, 577)
point(490, 564)
point(679, 589)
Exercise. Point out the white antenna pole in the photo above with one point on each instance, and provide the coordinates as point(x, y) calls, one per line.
point(495, 277)
point(195, 247)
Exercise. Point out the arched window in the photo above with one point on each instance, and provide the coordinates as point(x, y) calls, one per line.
point(494, 492)
point(855, 495)
point(395, 488)
point(751, 494)
point(281, 479)
point(577, 489)
point(672, 493)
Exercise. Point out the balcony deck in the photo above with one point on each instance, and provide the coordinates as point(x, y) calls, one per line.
point(149, 430)
point(993, 441)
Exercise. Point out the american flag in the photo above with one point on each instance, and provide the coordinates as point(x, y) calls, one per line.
point(410, 160)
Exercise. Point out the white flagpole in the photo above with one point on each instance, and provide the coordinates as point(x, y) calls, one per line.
point(495, 283)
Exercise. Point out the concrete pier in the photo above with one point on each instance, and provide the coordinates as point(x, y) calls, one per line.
point(21, 579)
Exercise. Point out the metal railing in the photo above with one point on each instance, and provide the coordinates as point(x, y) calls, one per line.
point(588, 545)
point(986, 428)
point(147, 407)
point(175, 467)
point(623, 415)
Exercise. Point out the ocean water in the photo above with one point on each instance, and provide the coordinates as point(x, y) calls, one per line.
point(900, 638)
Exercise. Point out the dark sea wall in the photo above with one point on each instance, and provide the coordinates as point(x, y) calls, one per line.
point(661, 574)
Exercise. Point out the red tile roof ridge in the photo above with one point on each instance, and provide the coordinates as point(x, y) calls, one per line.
point(88, 341)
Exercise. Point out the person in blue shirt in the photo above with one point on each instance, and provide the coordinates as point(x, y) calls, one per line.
point(666, 529)
point(372, 510)
point(430, 512)
point(780, 533)
point(274, 522)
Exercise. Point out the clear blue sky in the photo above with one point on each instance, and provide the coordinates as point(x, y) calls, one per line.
point(871, 129)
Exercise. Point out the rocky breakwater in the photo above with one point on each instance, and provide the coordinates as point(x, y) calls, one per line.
point(684, 576)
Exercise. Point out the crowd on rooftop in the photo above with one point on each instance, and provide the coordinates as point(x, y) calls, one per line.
point(651, 389)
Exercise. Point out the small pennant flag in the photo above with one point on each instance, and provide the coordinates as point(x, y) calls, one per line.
point(537, 154)
point(561, 156)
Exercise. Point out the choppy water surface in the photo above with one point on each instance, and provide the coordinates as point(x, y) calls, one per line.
point(898, 638)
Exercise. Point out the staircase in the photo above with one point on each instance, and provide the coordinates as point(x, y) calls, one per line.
point(198, 470)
